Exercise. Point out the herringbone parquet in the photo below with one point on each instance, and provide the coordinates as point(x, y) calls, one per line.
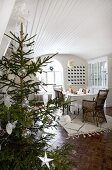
point(90, 153)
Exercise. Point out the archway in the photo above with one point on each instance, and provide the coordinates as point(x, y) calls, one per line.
point(52, 74)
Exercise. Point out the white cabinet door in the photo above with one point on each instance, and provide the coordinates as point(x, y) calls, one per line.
point(97, 74)
point(100, 76)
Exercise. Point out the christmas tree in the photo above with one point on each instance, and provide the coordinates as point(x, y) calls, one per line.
point(24, 142)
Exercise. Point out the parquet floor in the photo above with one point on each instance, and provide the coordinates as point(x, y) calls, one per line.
point(90, 153)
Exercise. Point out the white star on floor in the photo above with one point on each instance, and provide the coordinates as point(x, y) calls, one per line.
point(45, 160)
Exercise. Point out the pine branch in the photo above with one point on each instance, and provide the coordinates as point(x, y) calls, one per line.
point(24, 38)
point(17, 38)
point(11, 38)
point(29, 44)
point(30, 38)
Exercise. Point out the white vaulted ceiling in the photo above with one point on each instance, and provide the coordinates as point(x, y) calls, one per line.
point(79, 27)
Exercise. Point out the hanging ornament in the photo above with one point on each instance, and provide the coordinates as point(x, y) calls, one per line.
point(17, 80)
point(9, 128)
point(7, 100)
point(38, 123)
point(22, 72)
point(4, 90)
point(11, 76)
point(45, 160)
point(29, 108)
point(26, 133)
point(39, 134)
point(25, 103)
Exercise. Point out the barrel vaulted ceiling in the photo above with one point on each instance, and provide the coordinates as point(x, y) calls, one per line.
point(79, 27)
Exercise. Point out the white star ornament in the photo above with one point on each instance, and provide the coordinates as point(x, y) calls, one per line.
point(45, 160)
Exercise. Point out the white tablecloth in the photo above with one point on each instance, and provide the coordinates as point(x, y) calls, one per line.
point(77, 98)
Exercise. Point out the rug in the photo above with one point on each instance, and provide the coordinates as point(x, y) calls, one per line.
point(75, 127)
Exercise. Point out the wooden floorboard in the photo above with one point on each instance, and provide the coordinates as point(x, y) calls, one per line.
point(90, 153)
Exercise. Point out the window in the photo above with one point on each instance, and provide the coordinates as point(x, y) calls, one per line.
point(52, 74)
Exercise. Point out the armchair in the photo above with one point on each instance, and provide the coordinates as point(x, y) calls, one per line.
point(94, 110)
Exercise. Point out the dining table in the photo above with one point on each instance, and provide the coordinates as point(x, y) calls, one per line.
point(76, 100)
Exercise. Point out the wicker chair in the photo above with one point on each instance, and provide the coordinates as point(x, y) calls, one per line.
point(93, 111)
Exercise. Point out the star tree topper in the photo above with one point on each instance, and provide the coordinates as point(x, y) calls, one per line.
point(45, 160)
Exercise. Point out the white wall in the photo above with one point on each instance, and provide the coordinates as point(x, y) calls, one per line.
point(63, 59)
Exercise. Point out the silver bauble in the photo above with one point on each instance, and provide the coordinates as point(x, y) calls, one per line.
point(22, 72)
point(9, 128)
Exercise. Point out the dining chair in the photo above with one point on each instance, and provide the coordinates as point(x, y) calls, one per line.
point(62, 100)
point(94, 110)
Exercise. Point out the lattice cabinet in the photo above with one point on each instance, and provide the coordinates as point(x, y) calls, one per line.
point(77, 75)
